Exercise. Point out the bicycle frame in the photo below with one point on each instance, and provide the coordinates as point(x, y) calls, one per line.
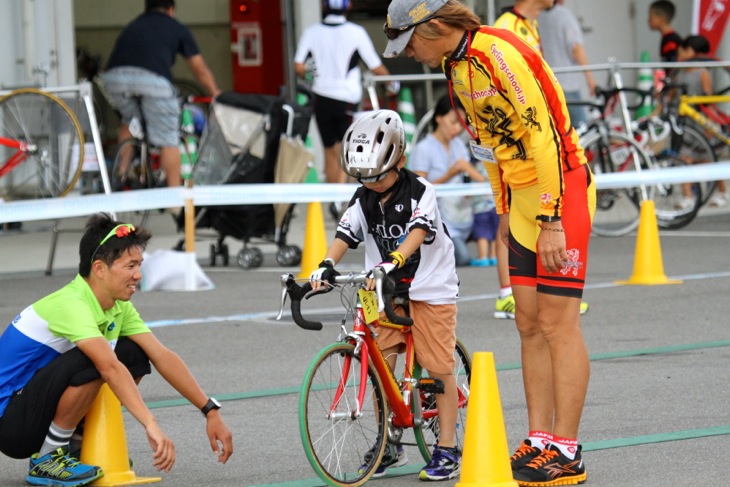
point(20, 156)
point(687, 109)
point(365, 346)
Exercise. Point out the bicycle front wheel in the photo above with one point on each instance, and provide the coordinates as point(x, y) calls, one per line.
point(617, 210)
point(132, 171)
point(427, 434)
point(343, 447)
point(42, 147)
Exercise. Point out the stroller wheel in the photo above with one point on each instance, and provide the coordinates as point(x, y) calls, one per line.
point(250, 258)
point(212, 255)
point(289, 255)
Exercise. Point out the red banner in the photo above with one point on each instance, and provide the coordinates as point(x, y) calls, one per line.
point(710, 20)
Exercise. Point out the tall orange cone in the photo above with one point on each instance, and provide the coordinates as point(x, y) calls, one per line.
point(648, 266)
point(105, 443)
point(485, 459)
point(315, 240)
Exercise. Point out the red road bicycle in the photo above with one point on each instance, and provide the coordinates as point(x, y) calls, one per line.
point(41, 146)
point(352, 403)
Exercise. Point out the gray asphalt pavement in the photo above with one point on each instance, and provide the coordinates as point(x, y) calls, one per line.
point(657, 409)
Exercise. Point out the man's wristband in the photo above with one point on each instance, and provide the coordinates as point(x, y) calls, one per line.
point(547, 219)
point(210, 405)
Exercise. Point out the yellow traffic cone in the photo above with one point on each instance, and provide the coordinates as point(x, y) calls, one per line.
point(485, 459)
point(105, 444)
point(315, 240)
point(648, 266)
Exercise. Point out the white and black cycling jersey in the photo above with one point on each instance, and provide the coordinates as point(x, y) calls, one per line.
point(429, 274)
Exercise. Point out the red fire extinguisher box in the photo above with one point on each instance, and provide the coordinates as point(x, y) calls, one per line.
point(257, 46)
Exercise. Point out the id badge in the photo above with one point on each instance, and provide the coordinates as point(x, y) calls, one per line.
point(483, 153)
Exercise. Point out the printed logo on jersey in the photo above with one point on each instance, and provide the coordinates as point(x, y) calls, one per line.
point(399, 207)
point(573, 264)
point(545, 200)
point(388, 237)
point(499, 57)
point(476, 95)
point(497, 124)
point(529, 118)
point(111, 326)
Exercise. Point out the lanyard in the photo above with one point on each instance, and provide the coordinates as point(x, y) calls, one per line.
point(471, 92)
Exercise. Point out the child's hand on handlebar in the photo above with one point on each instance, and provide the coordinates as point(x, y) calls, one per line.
point(325, 273)
point(386, 267)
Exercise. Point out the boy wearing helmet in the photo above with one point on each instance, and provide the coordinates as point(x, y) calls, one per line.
point(395, 214)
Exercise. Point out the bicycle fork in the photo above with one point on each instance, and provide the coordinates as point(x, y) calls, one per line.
point(360, 351)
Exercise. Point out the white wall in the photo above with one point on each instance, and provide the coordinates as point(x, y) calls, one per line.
point(38, 43)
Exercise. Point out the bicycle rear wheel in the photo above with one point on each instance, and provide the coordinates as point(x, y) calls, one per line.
point(617, 210)
point(677, 203)
point(692, 147)
point(342, 448)
point(51, 145)
point(427, 434)
point(132, 171)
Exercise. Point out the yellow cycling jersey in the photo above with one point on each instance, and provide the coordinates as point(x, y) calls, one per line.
point(522, 26)
point(518, 113)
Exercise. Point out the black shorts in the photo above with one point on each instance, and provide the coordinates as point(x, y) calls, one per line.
point(333, 119)
point(25, 423)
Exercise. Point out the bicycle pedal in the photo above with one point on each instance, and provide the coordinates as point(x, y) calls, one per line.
point(429, 384)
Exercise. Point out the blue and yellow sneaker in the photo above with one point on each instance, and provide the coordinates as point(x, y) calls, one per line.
point(445, 464)
point(58, 468)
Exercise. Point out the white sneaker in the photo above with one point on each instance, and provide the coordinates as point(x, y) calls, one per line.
point(719, 200)
point(685, 203)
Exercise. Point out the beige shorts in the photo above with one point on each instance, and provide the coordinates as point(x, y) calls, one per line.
point(434, 336)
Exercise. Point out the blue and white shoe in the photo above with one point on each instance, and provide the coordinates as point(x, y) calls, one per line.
point(394, 456)
point(58, 468)
point(445, 464)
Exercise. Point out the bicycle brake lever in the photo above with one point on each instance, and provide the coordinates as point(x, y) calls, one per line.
point(379, 274)
point(284, 280)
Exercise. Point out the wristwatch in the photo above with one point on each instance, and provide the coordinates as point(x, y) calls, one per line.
point(547, 219)
point(210, 405)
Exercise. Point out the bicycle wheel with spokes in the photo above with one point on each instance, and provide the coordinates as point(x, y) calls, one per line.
point(42, 145)
point(617, 209)
point(131, 171)
point(427, 434)
point(342, 446)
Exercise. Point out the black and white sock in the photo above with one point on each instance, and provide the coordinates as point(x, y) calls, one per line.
point(56, 438)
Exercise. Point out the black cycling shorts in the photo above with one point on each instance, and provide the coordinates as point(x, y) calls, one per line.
point(333, 119)
point(25, 423)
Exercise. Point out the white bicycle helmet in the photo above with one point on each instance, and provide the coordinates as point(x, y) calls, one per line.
point(373, 145)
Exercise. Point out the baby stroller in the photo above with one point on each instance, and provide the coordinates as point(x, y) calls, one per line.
point(252, 139)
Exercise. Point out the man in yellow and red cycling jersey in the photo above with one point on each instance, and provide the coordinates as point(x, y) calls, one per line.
point(522, 20)
point(545, 195)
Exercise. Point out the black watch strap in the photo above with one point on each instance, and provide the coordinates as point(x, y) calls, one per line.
point(547, 219)
point(210, 405)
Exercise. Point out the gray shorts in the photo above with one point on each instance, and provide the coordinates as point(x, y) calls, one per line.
point(159, 102)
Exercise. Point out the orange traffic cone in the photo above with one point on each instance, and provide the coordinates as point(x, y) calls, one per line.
point(648, 266)
point(315, 240)
point(105, 444)
point(485, 459)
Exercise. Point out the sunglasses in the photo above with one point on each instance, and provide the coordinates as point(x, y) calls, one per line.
point(373, 179)
point(120, 231)
point(393, 33)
